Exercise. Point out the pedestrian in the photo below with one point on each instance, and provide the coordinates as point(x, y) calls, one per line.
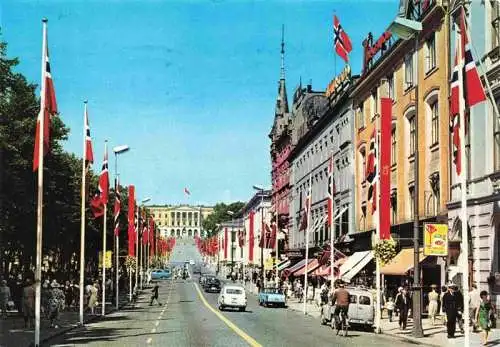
point(154, 296)
point(482, 316)
point(92, 297)
point(451, 306)
point(474, 303)
point(403, 303)
point(433, 304)
point(390, 308)
point(56, 303)
point(28, 304)
point(5, 297)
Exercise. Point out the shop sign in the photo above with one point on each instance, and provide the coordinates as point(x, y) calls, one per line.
point(436, 239)
point(370, 49)
point(269, 263)
point(107, 259)
point(338, 83)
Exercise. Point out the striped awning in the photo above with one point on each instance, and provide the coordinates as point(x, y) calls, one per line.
point(312, 265)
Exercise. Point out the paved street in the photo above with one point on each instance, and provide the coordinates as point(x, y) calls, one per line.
point(184, 320)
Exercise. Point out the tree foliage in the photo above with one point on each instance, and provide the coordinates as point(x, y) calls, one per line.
point(220, 215)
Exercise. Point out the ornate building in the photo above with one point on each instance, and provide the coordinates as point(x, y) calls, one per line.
point(281, 146)
point(181, 221)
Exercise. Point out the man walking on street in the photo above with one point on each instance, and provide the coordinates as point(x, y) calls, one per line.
point(451, 306)
point(154, 296)
point(403, 304)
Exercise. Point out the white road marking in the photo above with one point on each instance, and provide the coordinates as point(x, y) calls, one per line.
point(148, 341)
point(157, 323)
point(153, 330)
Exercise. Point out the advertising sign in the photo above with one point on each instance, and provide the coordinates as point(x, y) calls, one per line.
point(269, 263)
point(436, 239)
point(108, 257)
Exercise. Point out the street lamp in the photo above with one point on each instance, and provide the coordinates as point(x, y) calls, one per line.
point(260, 189)
point(231, 213)
point(117, 150)
point(407, 29)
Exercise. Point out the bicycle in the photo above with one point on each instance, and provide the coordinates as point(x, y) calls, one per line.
point(342, 325)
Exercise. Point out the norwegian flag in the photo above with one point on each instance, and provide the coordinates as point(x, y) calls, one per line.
point(49, 110)
point(471, 88)
point(145, 234)
point(307, 207)
point(331, 190)
point(342, 42)
point(324, 258)
point(117, 207)
point(98, 202)
point(186, 191)
point(89, 154)
point(371, 172)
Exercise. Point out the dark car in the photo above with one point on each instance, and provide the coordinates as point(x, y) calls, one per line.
point(212, 285)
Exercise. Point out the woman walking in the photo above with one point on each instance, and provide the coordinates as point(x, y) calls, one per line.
point(92, 298)
point(483, 315)
point(433, 304)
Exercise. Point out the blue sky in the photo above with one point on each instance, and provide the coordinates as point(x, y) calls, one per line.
point(189, 85)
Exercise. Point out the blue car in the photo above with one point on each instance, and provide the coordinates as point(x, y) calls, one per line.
point(161, 274)
point(272, 296)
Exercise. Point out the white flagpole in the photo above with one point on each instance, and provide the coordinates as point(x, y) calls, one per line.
point(378, 312)
point(141, 253)
point(308, 206)
point(332, 229)
point(117, 242)
point(463, 193)
point(104, 230)
point(39, 215)
point(136, 246)
point(83, 221)
point(276, 241)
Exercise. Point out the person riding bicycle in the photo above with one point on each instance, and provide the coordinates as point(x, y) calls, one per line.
point(341, 301)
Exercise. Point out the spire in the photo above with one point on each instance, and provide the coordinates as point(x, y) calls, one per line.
point(282, 101)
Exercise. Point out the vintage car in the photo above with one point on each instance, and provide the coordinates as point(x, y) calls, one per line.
point(161, 274)
point(272, 296)
point(232, 296)
point(212, 285)
point(361, 311)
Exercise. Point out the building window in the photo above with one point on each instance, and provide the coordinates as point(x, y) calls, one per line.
point(412, 201)
point(363, 164)
point(374, 101)
point(390, 87)
point(361, 116)
point(495, 23)
point(496, 136)
point(435, 122)
point(408, 61)
point(394, 154)
point(394, 208)
point(413, 135)
point(430, 45)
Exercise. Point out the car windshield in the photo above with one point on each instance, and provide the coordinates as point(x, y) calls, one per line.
point(271, 291)
point(234, 291)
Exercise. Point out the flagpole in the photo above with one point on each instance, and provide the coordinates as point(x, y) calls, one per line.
point(104, 230)
point(378, 312)
point(463, 194)
point(276, 241)
point(141, 253)
point(332, 226)
point(117, 238)
point(39, 219)
point(83, 221)
point(309, 202)
point(136, 246)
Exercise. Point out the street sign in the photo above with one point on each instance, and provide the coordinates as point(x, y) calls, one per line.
point(436, 239)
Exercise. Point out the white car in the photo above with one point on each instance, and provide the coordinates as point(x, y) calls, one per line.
point(232, 296)
point(191, 262)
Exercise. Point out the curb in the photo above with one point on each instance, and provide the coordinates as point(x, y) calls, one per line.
point(77, 325)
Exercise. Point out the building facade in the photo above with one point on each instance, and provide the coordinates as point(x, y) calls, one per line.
point(281, 145)
point(231, 253)
point(482, 156)
point(418, 85)
point(182, 221)
point(323, 129)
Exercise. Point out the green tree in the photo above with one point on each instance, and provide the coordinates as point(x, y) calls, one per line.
point(220, 215)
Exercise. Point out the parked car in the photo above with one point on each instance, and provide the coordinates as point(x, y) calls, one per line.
point(212, 285)
point(197, 269)
point(361, 309)
point(232, 296)
point(272, 296)
point(161, 274)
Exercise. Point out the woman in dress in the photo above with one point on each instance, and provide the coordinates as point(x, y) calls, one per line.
point(433, 304)
point(92, 298)
point(483, 315)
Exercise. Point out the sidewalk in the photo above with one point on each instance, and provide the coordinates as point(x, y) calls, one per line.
point(435, 335)
point(13, 333)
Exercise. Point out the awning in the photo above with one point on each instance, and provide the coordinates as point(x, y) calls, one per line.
point(284, 264)
point(402, 262)
point(325, 271)
point(312, 265)
point(349, 275)
point(295, 267)
point(352, 261)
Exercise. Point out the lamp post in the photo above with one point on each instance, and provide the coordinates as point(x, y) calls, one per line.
point(407, 29)
point(117, 150)
point(231, 213)
point(218, 250)
point(261, 191)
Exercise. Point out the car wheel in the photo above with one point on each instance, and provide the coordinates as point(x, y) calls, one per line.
point(243, 309)
point(221, 308)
